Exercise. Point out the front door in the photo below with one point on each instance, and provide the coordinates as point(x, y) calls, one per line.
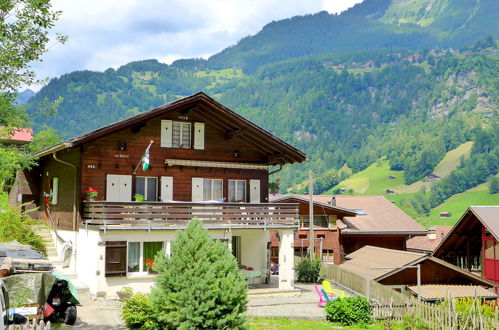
point(119, 188)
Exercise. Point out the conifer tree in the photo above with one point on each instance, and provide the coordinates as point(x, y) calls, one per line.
point(199, 286)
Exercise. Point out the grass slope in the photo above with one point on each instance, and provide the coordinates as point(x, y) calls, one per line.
point(457, 204)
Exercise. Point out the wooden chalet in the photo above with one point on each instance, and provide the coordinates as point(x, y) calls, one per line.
point(344, 224)
point(473, 242)
point(205, 161)
point(386, 266)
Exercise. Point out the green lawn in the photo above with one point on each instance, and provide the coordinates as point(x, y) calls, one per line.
point(296, 324)
point(458, 204)
point(452, 158)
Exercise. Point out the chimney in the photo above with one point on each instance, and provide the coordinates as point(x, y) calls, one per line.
point(333, 200)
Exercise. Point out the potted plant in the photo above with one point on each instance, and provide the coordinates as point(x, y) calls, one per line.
point(92, 193)
point(125, 293)
point(151, 266)
point(138, 197)
point(274, 187)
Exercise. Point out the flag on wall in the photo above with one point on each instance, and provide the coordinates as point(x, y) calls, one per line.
point(145, 158)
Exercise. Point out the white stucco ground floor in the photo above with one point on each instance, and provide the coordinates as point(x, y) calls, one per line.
point(108, 260)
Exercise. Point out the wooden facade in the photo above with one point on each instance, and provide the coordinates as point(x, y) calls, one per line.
point(215, 143)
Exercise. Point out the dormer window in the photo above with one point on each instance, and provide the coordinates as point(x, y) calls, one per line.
point(181, 135)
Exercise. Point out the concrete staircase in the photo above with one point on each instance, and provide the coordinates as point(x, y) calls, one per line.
point(52, 256)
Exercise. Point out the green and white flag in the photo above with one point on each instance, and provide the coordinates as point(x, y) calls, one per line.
point(145, 158)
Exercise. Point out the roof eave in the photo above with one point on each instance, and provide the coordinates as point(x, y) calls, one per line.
point(359, 232)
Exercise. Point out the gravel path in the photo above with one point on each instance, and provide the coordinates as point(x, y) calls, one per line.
point(98, 314)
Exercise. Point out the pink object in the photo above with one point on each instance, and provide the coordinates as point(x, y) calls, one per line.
point(322, 300)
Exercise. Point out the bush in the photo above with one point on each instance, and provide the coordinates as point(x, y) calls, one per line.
point(200, 286)
point(308, 270)
point(138, 313)
point(16, 225)
point(349, 311)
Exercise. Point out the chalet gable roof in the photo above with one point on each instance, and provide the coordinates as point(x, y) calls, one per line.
point(278, 151)
point(302, 199)
point(473, 217)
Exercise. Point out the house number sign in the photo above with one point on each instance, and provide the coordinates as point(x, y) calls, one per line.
point(183, 117)
point(121, 156)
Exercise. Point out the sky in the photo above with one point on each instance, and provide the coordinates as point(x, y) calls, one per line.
point(111, 33)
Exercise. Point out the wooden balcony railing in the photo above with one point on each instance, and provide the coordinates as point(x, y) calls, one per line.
point(159, 215)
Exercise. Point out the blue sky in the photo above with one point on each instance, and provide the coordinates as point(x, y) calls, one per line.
point(110, 33)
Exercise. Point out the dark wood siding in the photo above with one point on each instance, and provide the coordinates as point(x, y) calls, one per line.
point(102, 157)
point(115, 258)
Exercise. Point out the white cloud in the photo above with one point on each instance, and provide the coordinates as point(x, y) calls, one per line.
point(111, 33)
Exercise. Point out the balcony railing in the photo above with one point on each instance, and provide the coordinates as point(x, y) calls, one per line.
point(159, 215)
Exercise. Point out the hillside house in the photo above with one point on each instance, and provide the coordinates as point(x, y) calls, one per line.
point(205, 161)
point(344, 224)
point(386, 266)
point(473, 242)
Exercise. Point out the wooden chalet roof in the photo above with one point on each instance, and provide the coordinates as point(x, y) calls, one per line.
point(375, 215)
point(433, 292)
point(278, 151)
point(429, 242)
point(469, 227)
point(305, 199)
point(18, 135)
point(372, 256)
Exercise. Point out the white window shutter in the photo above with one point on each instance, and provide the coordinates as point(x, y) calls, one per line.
point(199, 136)
point(254, 191)
point(166, 133)
point(125, 188)
point(197, 189)
point(166, 188)
point(55, 191)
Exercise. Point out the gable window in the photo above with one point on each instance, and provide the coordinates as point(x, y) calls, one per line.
point(147, 187)
point(237, 191)
point(319, 221)
point(181, 135)
point(212, 189)
point(141, 256)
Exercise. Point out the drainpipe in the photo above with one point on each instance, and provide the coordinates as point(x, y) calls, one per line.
point(75, 198)
point(275, 171)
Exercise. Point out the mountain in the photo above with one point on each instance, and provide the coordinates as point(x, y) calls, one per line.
point(25, 96)
point(372, 24)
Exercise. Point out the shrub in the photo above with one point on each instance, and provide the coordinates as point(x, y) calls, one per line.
point(349, 311)
point(200, 286)
point(138, 313)
point(16, 225)
point(308, 270)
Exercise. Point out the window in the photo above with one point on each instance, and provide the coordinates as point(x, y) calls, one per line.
point(237, 191)
point(212, 189)
point(319, 221)
point(141, 255)
point(181, 135)
point(236, 248)
point(147, 187)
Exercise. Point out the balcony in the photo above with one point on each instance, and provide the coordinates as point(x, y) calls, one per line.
point(164, 216)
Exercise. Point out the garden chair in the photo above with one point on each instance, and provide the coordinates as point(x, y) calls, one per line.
point(332, 292)
point(322, 300)
point(327, 297)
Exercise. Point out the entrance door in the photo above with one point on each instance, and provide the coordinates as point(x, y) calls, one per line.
point(119, 188)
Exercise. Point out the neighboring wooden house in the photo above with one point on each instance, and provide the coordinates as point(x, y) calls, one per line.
point(473, 242)
point(432, 177)
point(428, 243)
point(18, 136)
point(202, 153)
point(386, 267)
point(352, 222)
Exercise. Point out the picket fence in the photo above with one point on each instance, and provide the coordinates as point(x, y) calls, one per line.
point(388, 304)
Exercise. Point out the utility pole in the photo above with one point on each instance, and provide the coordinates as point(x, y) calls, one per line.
point(311, 212)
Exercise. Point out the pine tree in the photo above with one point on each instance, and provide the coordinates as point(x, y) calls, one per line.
point(494, 185)
point(200, 285)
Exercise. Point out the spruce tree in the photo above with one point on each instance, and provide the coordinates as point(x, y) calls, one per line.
point(200, 285)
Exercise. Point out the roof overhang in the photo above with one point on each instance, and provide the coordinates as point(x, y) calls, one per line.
point(383, 233)
point(286, 199)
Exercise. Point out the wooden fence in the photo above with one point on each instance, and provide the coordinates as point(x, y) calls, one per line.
point(388, 304)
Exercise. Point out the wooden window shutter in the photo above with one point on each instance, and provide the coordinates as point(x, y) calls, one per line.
point(166, 188)
point(255, 191)
point(197, 189)
point(166, 133)
point(115, 258)
point(199, 136)
point(55, 191)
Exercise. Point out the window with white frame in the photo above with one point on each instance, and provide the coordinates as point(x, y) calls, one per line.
point(147, 187)
point(212, 189)
point(141, 256)
point(181, 135)
point(237, 191)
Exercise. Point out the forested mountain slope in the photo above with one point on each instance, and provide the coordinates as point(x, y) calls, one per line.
point(372, 24)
